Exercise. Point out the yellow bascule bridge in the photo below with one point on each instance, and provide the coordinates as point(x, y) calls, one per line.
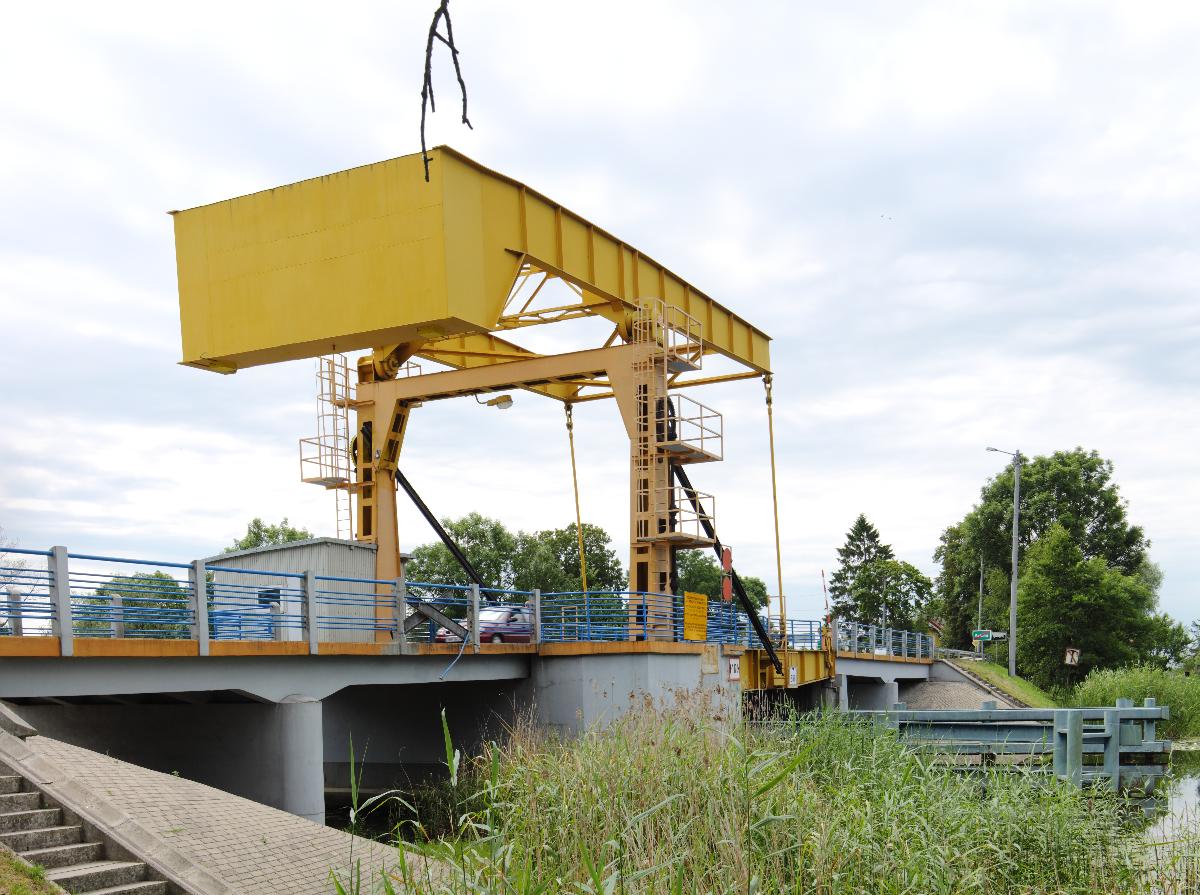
point(376, 259)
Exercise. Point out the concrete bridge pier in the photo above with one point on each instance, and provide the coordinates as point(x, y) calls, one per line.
point(866, 693)
point(301, 757)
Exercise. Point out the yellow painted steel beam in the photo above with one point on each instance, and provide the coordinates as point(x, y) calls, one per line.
point(550, 373)
point(375, 257)
point(682, 383)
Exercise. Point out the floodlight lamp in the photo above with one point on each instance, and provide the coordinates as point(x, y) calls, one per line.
point(501, 402)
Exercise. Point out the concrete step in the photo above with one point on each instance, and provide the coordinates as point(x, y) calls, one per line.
point(20, 801)
point(65, 855)
point(147, 888)
point(46, 837)
point(98, 875)
point(11, 783)
point(30, 820)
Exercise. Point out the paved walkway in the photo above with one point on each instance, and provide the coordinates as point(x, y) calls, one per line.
point(928, 695)
point(250, 847)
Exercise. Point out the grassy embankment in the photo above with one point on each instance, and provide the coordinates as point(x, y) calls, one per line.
point(673, 802)
point(1171, 688)
point(998, 676)
point(17, 878)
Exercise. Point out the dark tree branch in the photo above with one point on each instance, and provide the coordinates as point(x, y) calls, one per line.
point(427, 101)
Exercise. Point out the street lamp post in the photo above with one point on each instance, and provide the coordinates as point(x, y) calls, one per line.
point(1012, 585)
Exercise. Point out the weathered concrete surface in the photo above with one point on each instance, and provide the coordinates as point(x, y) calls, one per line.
point(572, 693)
point(270, 678)
point(883, 670)
point(209, 841)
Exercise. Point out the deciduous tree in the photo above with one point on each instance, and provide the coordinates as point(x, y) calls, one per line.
point(1067, 599)
point(890, 592)
point(260, 534)
point(697, 571)
point(1073, 489)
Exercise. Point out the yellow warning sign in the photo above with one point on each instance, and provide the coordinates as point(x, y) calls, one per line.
point(695, 616)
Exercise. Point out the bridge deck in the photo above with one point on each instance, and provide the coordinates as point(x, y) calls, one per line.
point(72, 605)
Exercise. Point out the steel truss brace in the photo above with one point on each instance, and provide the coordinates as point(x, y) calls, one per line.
point(423, 612)
point(743, 598)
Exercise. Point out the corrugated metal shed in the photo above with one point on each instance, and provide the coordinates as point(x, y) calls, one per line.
point(325, 557)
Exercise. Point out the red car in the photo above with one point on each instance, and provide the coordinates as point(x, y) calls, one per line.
point(498, 624)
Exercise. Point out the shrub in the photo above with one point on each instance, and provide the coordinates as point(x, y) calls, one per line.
point(1171, 688)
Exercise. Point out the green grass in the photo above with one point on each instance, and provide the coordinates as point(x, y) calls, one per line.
point(998, 676)
point(17, 878)
point(1170, 688)
point(677, 801)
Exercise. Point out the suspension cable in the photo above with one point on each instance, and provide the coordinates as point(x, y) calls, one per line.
point(575, 482)
point(767, 383)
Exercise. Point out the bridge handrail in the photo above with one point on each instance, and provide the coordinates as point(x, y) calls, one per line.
point(98, 595)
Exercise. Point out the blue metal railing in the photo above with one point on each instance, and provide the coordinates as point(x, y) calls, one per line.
point(109, 596)
point(26, 603)
point(882, 642)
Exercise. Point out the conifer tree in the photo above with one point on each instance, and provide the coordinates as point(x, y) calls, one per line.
point(862, 548)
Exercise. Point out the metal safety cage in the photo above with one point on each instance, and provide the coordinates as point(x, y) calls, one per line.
point(116, 597)
point(26, 602)
point(689, 431)
point(672, 514)
point(678, 335)
point(325, 458)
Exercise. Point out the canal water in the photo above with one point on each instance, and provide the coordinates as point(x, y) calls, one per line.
point(1174, 811)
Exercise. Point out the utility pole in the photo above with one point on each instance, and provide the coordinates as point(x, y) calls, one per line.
point(979, 614)
point(1012, 584)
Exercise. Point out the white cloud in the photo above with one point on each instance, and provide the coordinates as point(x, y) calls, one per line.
point(964, 223)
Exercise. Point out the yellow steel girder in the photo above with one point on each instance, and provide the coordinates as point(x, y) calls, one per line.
point(375, 257)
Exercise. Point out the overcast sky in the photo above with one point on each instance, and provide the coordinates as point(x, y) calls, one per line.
point(962, 223)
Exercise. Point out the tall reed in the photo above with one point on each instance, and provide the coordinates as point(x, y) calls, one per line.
point(676, 801)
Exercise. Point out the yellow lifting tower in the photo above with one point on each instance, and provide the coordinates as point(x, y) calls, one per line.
point(375, 259)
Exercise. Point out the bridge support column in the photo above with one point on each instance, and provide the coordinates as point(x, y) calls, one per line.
point(843, 689)
point(891, 693)
point(301, 757)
